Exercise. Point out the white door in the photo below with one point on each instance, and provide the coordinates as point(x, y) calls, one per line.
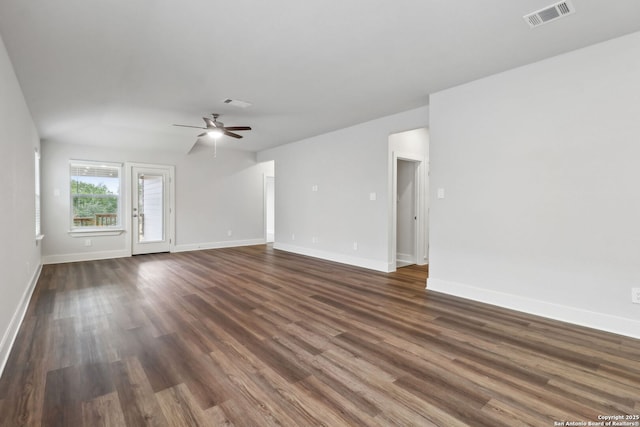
point(150, 210)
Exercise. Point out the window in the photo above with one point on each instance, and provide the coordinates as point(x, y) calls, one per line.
point(95, 195)
point(37, 193)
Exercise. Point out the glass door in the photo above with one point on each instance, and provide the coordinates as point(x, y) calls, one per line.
point(150, 210)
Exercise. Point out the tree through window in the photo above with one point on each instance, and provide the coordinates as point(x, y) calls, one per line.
point(95, 194)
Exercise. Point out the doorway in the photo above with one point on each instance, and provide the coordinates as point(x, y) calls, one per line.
point(151, 212)
point(269, 208)
point(407, 213)
point(409, 198)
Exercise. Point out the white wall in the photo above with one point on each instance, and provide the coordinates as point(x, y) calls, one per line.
point(540, 169)
point(346, 166)
point(19, 252)
point(213, 195)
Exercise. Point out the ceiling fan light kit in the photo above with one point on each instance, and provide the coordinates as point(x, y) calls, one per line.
point(215, 133)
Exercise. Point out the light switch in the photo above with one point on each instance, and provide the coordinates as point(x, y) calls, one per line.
point(440, 193)
point(56, 192)
point(373, 196)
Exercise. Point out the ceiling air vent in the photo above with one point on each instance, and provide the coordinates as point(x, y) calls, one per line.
point(549, 13)
point(237, 103)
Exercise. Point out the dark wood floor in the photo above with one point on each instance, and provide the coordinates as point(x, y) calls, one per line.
point(258, 337)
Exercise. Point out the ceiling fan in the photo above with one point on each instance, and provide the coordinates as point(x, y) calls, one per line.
point(215, 130)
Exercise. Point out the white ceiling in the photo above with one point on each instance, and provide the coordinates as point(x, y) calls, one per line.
point(116, 72)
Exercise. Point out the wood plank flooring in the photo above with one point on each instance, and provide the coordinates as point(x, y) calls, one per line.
point(258, 337)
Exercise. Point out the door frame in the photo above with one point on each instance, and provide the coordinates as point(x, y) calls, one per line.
point(416, 206)
point(128, 205)
point(265, 178)
point(419, 200)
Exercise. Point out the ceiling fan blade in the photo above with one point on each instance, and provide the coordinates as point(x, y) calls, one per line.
point(237, 128)
point(188, 126)
point(234, 135)
point(202, 134)
point(195, 144)
point(210, 123)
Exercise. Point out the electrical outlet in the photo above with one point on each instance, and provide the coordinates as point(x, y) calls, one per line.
point(355, 246)
point(314, 240)
point(293, 236)
point(229, 233)
point(635, 295)
point(87, 242)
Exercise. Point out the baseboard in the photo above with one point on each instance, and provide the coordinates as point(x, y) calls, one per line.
point(218, 245)
point(11, 333)
point(405, 258)
point(577, 316)
point(402, 260)
point(92, 256)
point(87, 256)
point(331, 256)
